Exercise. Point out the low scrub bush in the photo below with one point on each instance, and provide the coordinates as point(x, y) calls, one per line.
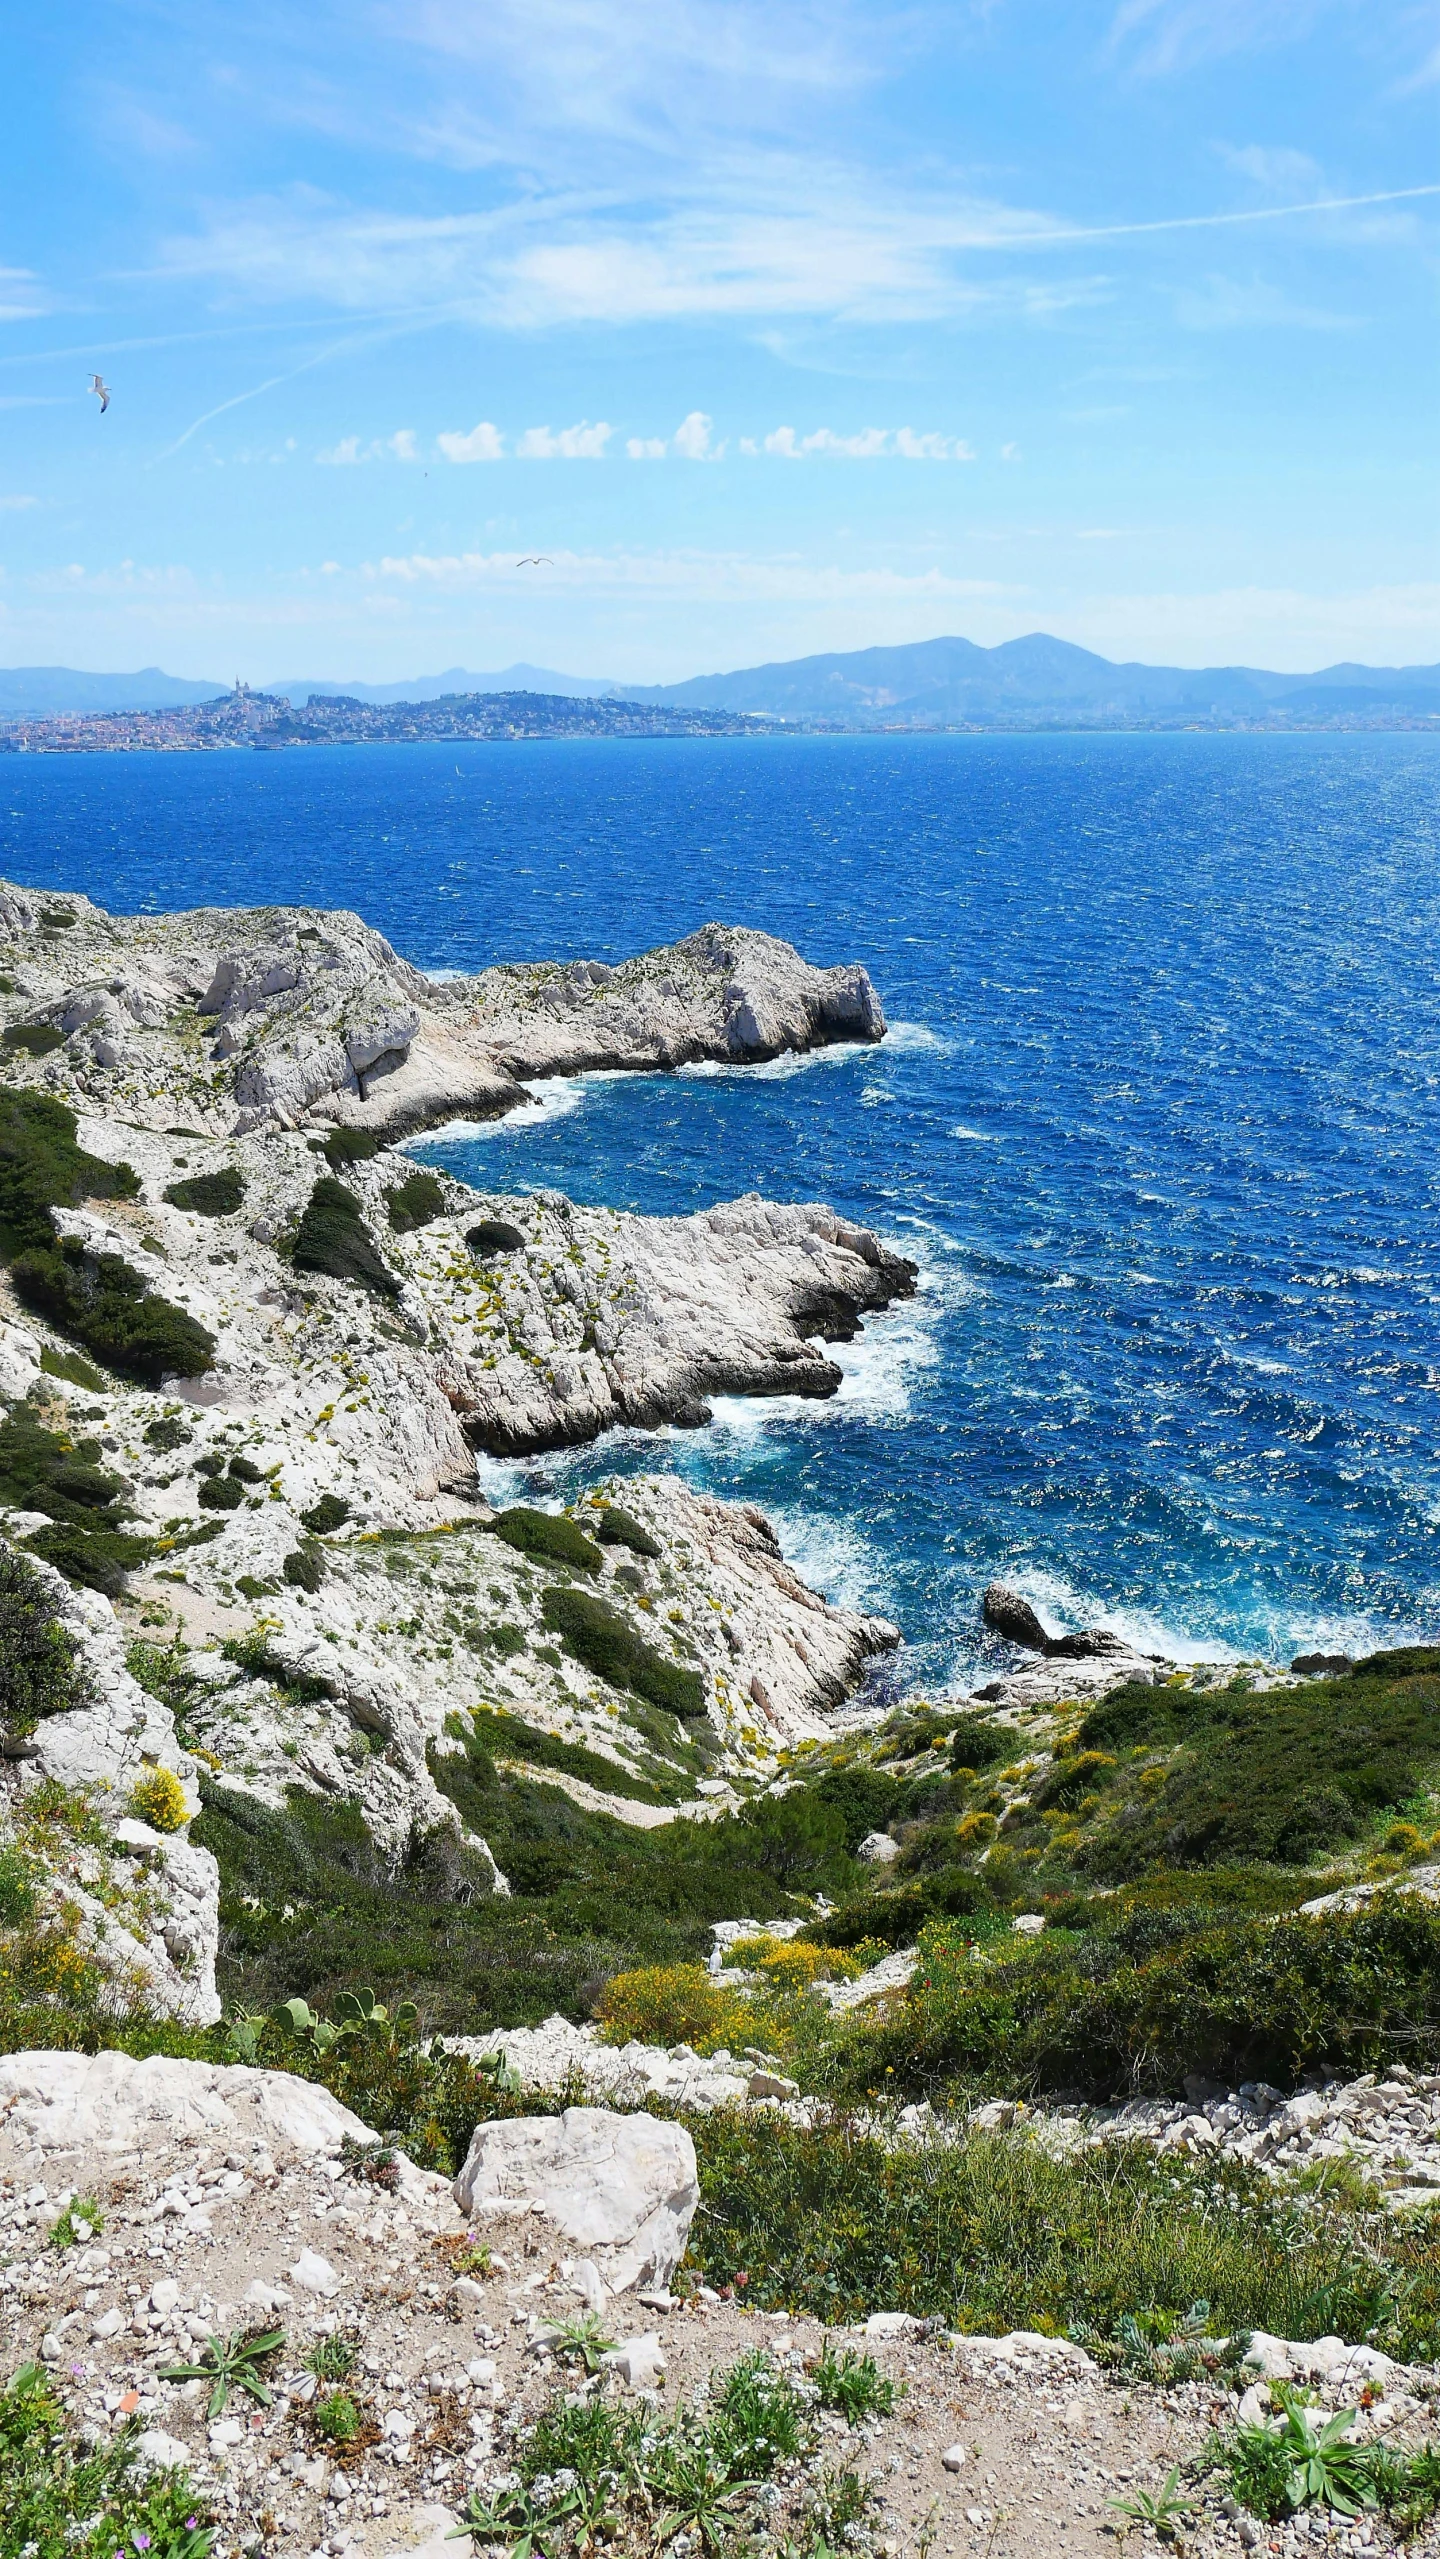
point(42, 1166)
point(673, 2004)
point(330, 1512)
point(615, 1527)
point(345, 1146)
point(45, 1470)
point(417, 1201)
point(493, 1730)
point(221, 1493)
point(209, 1194)
point(1164, 1996)
point(332, 1236)
point(34, 1039)
point(594, 1633)
point(38, 1670)
point(491, 1235)
point(112, 1309)
point(75, 1370)
point(547, 1534)
point(304, 1567)
point(1238, 1786)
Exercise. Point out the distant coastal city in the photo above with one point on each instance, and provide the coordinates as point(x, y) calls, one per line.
point(937, 687)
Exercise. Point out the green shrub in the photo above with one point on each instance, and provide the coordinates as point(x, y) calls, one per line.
point(45, 1470)
point(491, 1235)
point(304, 1567)
point(795, 1838)
point(594, 1633)
point(895, 1918)
point(1266, 1778)
point(209, 1194)
point(34, 1039)
point(168, 1433)
point(332, 1236)
point(245, 1470)
point(42, 1167)
point(1167, 1995)
point(346, 1146)
point(112, 1309)
point(38, 1670)
point(615, 1527)
point(221, 1493)
point(494, 1731)
point(75, 1370)
point(18, 1900)
point(417, 1201)
point(330, 1512)
point(546, 1533)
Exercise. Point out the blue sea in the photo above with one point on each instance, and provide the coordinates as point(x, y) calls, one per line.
point(1158, 1117)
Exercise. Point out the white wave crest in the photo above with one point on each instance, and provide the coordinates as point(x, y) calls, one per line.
point(917, 1035)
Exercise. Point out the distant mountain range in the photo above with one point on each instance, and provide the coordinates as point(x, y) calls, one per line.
point(1029, 683)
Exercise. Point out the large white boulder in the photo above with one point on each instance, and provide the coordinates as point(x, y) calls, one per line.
point(107, 2105)
point(623, 2188)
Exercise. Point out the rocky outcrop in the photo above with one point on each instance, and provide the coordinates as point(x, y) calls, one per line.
point(622, 2188)
point(146, 1906)
point(232, 1020)
point(1007, 1614)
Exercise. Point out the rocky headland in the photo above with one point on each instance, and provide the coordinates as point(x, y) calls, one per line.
point(292, 1477)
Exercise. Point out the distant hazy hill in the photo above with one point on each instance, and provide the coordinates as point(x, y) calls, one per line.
point(1022, 683)
point(39, 692)
point(458, 679)
point(1036, 679)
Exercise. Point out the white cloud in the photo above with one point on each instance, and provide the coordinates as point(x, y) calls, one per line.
point(1173, 35)
point(343, 453)
point(1010, 453)
point(692, 438)
point(402, 445)
point(484, 443)
point(16, 505)
point(582, 443)
point(647, 448)
point(867, 446)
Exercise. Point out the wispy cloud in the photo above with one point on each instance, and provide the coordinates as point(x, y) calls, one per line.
point(1224, 302)
point(1163, 36)
point(712, 576)
point(16, 505)
point(400, 447)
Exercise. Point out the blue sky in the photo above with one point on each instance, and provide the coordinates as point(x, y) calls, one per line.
point(774, 325)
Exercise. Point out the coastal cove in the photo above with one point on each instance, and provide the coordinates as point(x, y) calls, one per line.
point(1170, 1366)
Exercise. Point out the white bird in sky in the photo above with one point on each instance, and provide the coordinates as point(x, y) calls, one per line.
point(537, 560)
point(101, 392)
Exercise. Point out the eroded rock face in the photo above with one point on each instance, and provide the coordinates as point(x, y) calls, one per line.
point(106, 2105)
point(149, 1911)
point(622, 2188)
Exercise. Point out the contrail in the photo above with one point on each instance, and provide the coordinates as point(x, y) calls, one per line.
point(1201, 221)
point(275, 379)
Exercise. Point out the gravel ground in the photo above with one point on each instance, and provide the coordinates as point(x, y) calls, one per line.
point(208, 2231)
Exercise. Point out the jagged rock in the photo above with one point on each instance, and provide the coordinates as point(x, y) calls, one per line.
point(624, 2188)
point(1322, 1665)
point(1007, 1614)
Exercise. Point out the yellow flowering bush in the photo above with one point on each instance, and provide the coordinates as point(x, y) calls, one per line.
point(159, 1799)
point(672, 2004)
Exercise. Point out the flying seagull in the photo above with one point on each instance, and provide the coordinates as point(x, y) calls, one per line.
point(101, 392)
point(537, 561)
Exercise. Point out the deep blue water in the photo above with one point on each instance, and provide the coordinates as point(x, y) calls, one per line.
point(1159, 1118)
